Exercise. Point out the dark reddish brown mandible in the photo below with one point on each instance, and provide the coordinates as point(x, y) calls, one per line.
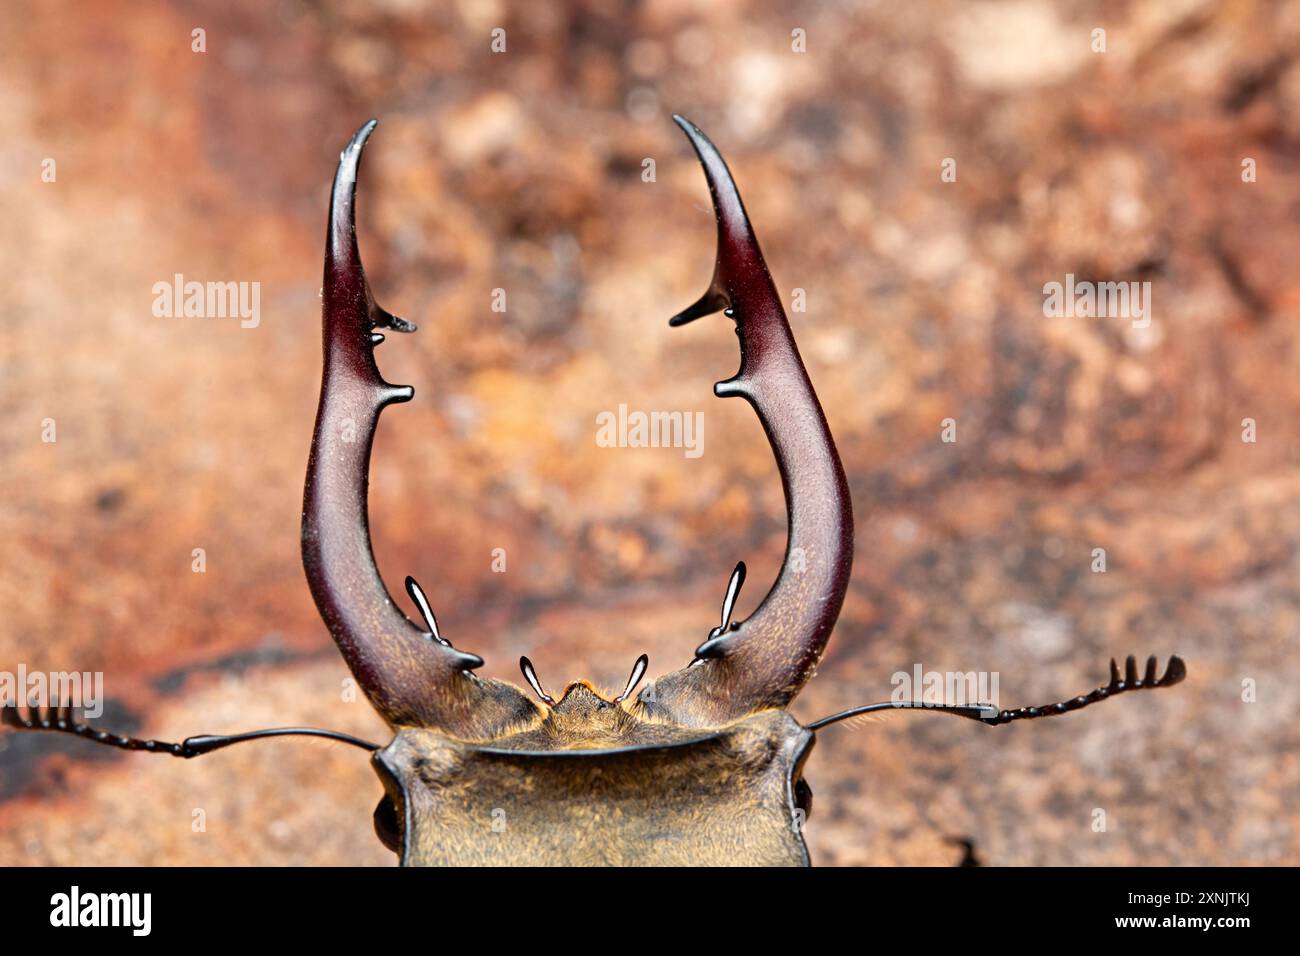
point(705, 765)
point(756, 664)
point(411, 678)
point(766, 659)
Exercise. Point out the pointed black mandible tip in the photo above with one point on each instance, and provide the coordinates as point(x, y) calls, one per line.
point(359, 138)
point(350, 157)
point(699, 140)
point(726, 198)
point(736, 240)
point(689, 128)
point(341, 248)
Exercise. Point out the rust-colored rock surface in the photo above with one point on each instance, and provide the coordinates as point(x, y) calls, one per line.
point(523, 171)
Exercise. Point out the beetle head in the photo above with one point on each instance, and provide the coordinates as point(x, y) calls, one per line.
point(675, 796)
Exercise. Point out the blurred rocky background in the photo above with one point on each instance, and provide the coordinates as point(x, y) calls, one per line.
point(522, 170)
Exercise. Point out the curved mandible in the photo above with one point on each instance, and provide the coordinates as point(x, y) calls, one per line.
point(763, 661)
point(411, 676)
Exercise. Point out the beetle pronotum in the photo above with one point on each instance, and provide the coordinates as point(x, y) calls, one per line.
point(705, 765)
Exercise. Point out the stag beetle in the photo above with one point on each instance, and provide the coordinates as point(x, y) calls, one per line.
point(705, 765)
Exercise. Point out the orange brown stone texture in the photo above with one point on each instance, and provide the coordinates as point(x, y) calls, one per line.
point(522, 171)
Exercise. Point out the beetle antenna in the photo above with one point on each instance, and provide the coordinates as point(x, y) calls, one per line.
point(530, 675)
point(63, 718)
point(638, 671)
point(984, 712)
point(987, 714)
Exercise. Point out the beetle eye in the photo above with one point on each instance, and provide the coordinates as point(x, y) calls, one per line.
point(386, 824)
point(803, 797)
